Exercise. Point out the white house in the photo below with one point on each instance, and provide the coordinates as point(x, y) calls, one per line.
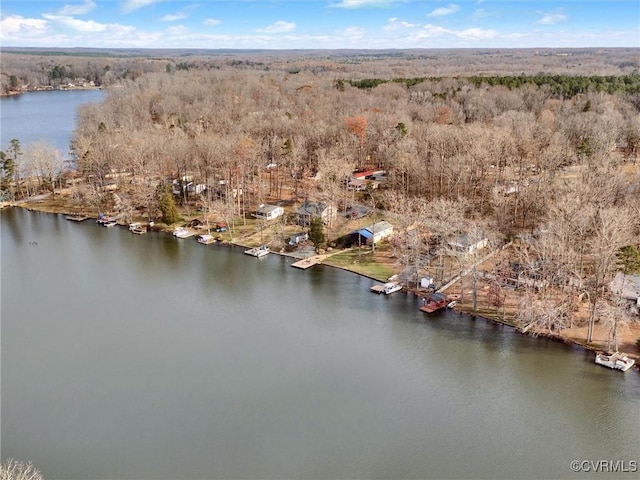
point(376, 232)
point(268, 212)
point(467, 244)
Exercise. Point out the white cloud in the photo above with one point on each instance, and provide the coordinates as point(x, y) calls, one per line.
point(129, 6)
point(363, 3)
point(552, 18)
point(477, 34)
point(81, 9)
point(75, 24)
point(177, 30)
point(212, 21)
point(442, 11)
point(20, 26)
point(481, 13)
point(172, 17)
point(353, 33)
point(430, 30)
point(394, 25)
point(277, 27)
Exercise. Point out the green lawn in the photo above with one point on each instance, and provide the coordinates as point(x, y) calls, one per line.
point(361, 262)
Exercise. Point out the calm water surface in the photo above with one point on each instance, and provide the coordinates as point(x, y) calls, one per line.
point(148, 357)
point(128, 356)
point(48, 116)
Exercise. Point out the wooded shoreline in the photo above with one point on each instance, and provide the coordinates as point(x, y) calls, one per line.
point(463, 308)
point(462, 152)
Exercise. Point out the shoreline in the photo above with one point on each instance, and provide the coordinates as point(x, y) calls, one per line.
point(14, 93)
point(460, 309)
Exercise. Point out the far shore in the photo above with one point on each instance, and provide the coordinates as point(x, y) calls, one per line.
point(61, 88)
point(575, 336)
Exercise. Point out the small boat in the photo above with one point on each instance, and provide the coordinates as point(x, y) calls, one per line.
point(138, 230)
point(452, 304)
point(134, 225)
point(182, 232)
point(110, 223)
point(434, 302)
point(391, 287)
point(386, 288)
point(616, 361)
point(206, 239)
point(102, 219)
point(258, 251)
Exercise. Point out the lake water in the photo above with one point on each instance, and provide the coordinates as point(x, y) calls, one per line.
point(150, 357)
point(48, 116)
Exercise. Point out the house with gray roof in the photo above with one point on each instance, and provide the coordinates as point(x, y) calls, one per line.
point(310, 210)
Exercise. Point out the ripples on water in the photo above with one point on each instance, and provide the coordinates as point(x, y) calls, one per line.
point(128, 356)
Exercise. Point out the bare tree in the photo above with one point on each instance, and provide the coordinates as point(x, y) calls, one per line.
point(12, 469)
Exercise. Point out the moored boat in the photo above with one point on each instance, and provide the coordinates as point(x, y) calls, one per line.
point(616, 360)
point(391, 287)
point(258, 251)
point(182, 232)
point(206, 239)
point(103, 219)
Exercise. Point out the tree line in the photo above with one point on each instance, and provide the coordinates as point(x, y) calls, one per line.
point(563, 86)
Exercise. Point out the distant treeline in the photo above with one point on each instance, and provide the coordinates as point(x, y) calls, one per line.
point(566, 86)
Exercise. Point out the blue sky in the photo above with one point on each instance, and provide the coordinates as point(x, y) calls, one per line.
point(323, 24)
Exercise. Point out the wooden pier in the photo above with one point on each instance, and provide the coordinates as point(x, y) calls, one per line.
point(308, 262)
point(77, 218)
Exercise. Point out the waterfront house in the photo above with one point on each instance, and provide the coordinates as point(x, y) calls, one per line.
point(310, 210)
point(268, 212)
point(374, 233)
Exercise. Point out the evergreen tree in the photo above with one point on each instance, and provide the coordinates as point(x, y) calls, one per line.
point(316, 232)
point(167, 205)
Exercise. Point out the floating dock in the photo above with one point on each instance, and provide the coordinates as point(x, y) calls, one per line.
point(77, 218)
point(308, 262)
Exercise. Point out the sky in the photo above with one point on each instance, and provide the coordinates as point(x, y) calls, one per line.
point(320, 24)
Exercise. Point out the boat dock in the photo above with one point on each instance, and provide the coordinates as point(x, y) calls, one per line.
point(434, 302)
point(309, 262)
point(77, 218)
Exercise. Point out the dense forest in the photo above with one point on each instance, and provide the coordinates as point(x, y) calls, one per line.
point(536, 147)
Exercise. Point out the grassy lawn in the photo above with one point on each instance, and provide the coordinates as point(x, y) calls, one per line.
point(363, 263)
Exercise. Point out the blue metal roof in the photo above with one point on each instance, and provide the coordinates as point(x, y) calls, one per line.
point(365, 233)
